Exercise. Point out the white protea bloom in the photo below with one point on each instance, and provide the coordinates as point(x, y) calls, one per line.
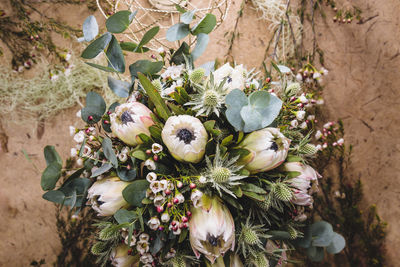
point(129, 120)
point(153, 223)
point(105, 196)
point(223, 172)
point(185, 138)
point(209, 98)
point(211, 229)
point(121, 258)
point(235, 77)
point(304, 185)
point(268, 149)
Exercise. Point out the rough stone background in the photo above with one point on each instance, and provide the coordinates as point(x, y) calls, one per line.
point(362, 88)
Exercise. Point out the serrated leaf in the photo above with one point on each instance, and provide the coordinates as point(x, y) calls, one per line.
point(135, 192)
point(97, 46)
point(50, 176)
point(177, 32)
point(120, 88)
point(120, 21)
point(338, 243)
point(205, 25)
point(201, 45)
point(109, 152)
point(90, 28)
point(155, 97)
point(115, 56)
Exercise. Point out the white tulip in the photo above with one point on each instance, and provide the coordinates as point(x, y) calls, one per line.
point(105, 196)
point(185, 138)
point(129, 120)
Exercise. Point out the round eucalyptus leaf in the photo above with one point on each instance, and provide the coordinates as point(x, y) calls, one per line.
point(267, 105)
point(234, 102)
point(95, 107)
point(135, 192)
point(201, 45)
point(205, 25)
point(90, 28)
point(120, 88)
point(97, 46)
point(305, 241)
point(51, 155)
point(187, 17)
point(338, 243)
point(125, 216)
point(252, 119)
point(322, 234)
point(120, 21)
point(78, 188)
point(177, 32)
point(146, 67)
point(316, 253)
point(55, 196)
point(127, 175)
point(50, 176)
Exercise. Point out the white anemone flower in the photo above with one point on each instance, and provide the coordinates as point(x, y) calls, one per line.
point(235, 77)
point(121, 258)
point(105, 196)
point(211, 229)
point(268, 149)
point(185, 138)
point(129, 120)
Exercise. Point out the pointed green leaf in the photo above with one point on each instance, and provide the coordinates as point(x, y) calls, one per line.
point(155, 97)
point(135, 192)
point(115, 56)
point(132, 47)
point(201, 45)
point(206, 25)
point(51, 155)
point(109, 152)
point(50, 176)
point(120, 21)
point(148, 36)
point(97, 46)
point(100, 67)
point(55, 196)
point(177, 32)
point(146, 67)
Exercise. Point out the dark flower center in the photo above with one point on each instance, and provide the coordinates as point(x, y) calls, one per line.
point(212, 240)
point(229, 79)
point(274, 146)
point(185, 135)
point(126, 117)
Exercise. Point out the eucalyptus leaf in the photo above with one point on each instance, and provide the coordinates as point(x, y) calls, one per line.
point(201, 45)
point(127, 175)
point(109, 152)
point(90, 28)
point(267, 105)
point(322, 234)
point(188, 16)
point(125, 216)
point(252, 119)
point(51, 175)
point(234, 102)
point(77, 186)
point(100, 67)
point(179, 56)
point(115, 56)
point(120, 21)
point(205, 25)
point(338, 243)
point(95, 107)
point(103, 168)
point(132, 47)
point(135, 192)
point(316, 253)
point(146, 67)
point(120, 88)
point(51, 155)
point(55, 196)
point(177, 32)
point(283, 69)
point(97, 46)
point(148, 36)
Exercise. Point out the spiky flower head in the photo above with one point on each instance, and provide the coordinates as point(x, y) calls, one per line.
point(249, 238)
point(281, 191)
point(293, 89)
point(197, 75)
point(260, 260)
point(209, 98)
point(157, 84)
point(222, 173)
point(292, 232)
point(178, 261)
point(265, 204)
point(308, 149)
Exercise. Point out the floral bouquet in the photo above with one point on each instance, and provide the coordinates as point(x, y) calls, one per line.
point(197, 166)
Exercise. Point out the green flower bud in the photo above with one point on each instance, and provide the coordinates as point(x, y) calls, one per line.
point(308, 149)
point(282, 191)
point(197, 75)
point(293, 89)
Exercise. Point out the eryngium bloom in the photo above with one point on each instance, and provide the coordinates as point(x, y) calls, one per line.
point(105, 196)
point(268, 149)
point(305, 184)
point(185, 138)
point(129, 120)
point(211, 229)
